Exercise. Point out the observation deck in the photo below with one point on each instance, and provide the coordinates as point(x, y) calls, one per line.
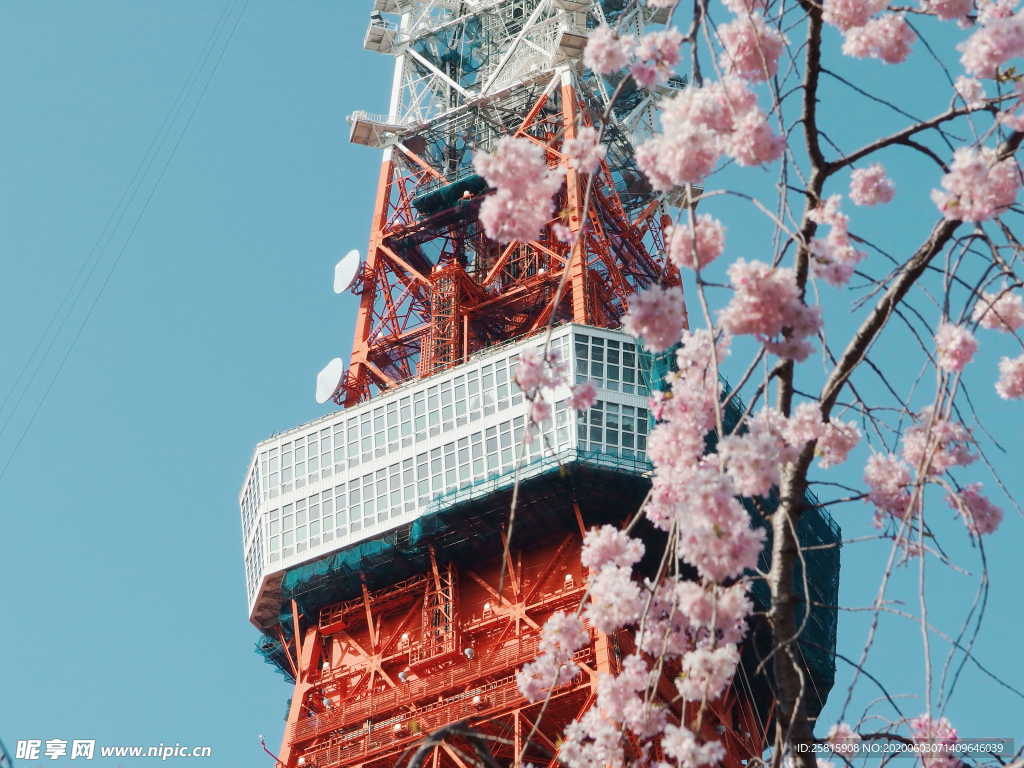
point(353, 475)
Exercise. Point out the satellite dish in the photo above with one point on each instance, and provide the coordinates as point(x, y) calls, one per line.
point(328, 379)
point(345, 271)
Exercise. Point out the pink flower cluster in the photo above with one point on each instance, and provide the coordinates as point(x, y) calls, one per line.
point(582, 396)
point(615, 598)
point(715, 535)
point(651, 58)
point(933, 446)
point(657, 316)
point(685, 250)
point(835, 438)
point(610, 546)
point(684, 615)
point(607, 51)
point(536, 372)
point(754, 457)
point(978, 186)
point(834, 256)
point(585, 151)
point(926, 730)
point(971, 91)
point(622, 704)
point(949, 10)
point(888, 478)
point(657, 54)
point(561, 637)
point(701, 124)
point(751, 47)
point(1002, 311)
point(848, 14)
point(887, 37)
point(767, 305)
point(870, 186)
point(980, 515)
point(955, 346)
point(682, 746)
point(523, 202)
point(1010, 385)
point(685, 415)
point(999, 39)
point(706, 672)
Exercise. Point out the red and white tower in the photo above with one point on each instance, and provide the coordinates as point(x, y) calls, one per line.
point(377, 561)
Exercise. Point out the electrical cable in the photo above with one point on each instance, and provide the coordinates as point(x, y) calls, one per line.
point(131, 234)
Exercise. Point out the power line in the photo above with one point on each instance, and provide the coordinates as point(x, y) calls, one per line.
point(95, 254)
point(131, 234)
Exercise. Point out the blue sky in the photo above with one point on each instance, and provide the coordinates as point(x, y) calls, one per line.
point(119, 550)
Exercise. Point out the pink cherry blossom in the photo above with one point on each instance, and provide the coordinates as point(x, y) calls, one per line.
point(887, 37)
point(949, 10)
point(715, 533)
point(535, 372)
point(710, 242)
point(615, 599)
point(933, 446)
point(971, 91)
point(582, 396)
point(834, 256)
point(978, 186)
point(540, 411)
point(606, 51)
point(682, 746)
point(955, 346)
point(836, 442)
point(888, 478)
point(1013, 116)
point(847, 14)
point(564, 634)
point(584, 152)
point(752, 461)
point(1010, 385)
point(656, 316)
point(804, 424)
point(991, 10)
point(592, 741)
point(753, 458)
point(766, 302)
point(1002, 311)
point(705, 673)
point(934, 733)
point(870, 186)
point(751, 47)
point(753, 142)
point(997, 41)
point(542, 674)
point(980, 515)
point(523, 202)
point(608, 544)
point(657, 54)
point(684, 156)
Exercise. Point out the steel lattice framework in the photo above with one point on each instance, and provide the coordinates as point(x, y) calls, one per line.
point(434, 288)
point(378, 671)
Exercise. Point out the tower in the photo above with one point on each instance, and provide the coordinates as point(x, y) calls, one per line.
point(380, 564)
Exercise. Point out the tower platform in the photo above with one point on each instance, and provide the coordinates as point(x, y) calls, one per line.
point(392, 605)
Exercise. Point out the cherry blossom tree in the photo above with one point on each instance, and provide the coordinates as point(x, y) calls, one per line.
point(759, 127)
